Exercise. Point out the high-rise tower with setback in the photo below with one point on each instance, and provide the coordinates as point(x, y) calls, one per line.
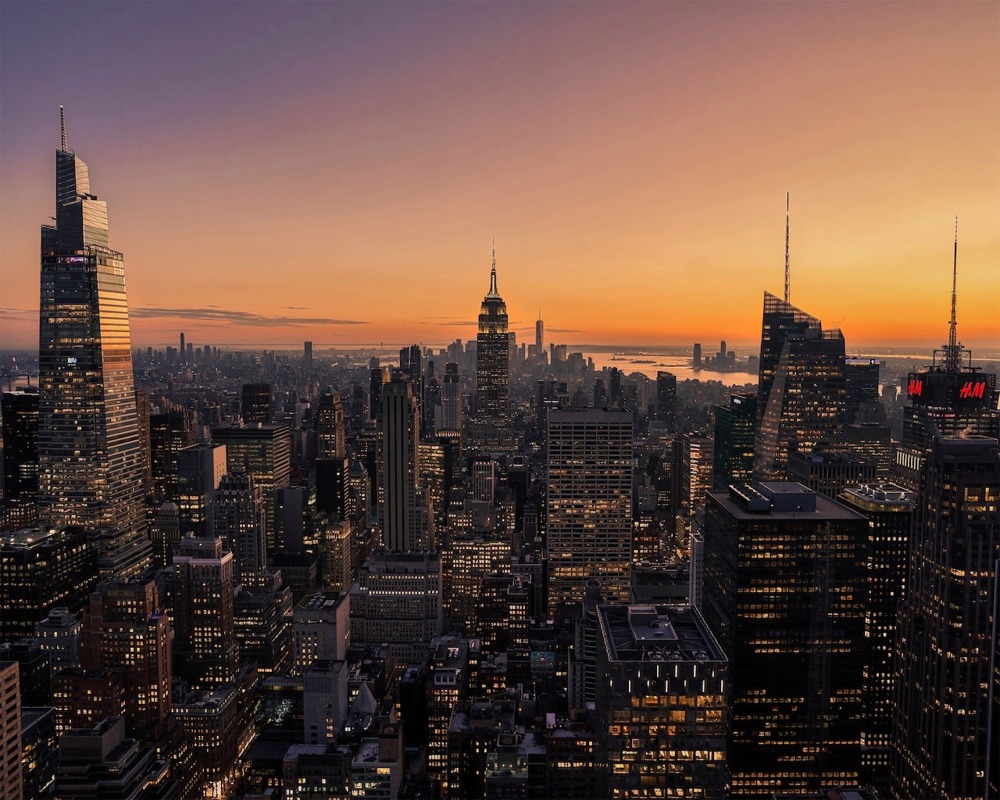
point(89, 455)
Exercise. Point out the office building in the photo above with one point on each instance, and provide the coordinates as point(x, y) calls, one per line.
point(861, 376)
point(324, 701)
point(692, 471)
point(403, 508)
point(307, 356)
point(39, 570)
point(10, 730)
point(784, 589)
point(397, 601)
point(944, 729)
point(451, 401)
point(492, 356)
point(330, 431)
point(263, 631)
point(38, 751)
point(200, 468)
point(126, 633)
point(90, 470)
point(735, 438)
point(321, 629)
point(265, 452)
point(889, 510)
point(589, 502)
point(801, 393)
point(20, 446)
point(240, 521)
point(101, 762)
point(256, 403)
point(219, 724)
point(204, 644)
point(169, 433)
point(59, 636)
point(666, 400)
point(830, 473)
point(662, 704)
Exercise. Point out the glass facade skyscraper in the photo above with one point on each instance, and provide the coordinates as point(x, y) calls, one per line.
point(89, 455)
point(801, 397)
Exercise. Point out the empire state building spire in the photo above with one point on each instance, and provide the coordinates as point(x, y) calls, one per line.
point(493, 274)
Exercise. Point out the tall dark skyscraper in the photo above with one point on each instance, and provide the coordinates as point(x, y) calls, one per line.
point(801, 392)
point(492, 355)
point(402, 507)
point(784, 589)
point(666, 399)
point(90, 459)
point(20, 445)
point(945, 732)
point(735, 435)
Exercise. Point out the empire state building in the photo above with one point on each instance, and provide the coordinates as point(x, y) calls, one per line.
point(493, 356)
point(90, 462)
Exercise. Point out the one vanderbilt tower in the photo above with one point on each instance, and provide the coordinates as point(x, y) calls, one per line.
point(90, 471)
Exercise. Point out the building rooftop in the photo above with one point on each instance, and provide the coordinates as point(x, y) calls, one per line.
point(780, 500)
point(658, 633)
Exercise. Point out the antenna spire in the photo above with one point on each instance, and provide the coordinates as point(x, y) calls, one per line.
point(953, 358)
point(62, 130)
point(493, 271)
point(788, 292)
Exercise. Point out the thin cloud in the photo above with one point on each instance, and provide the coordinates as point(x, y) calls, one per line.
point(210, 314)
point(19, 313)
point(563, 330)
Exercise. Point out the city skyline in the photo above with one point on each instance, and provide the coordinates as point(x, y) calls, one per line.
point(630, 160)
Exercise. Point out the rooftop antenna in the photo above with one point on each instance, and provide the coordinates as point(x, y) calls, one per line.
point(493, 270)
point(788, 292)
point(953, 358)
point(62, 129)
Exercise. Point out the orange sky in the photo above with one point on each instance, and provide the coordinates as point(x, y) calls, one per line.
point(351, 162)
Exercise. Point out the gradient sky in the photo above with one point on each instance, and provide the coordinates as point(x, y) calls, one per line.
point(277, 172)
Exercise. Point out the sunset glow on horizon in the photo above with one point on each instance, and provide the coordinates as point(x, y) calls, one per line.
point(336, 172)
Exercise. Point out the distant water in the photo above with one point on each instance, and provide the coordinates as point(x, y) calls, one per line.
point(649, 362)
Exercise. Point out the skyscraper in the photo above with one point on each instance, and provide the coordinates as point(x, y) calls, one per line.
point(801, 392)
point(951, 397)
point(784, 589)
point(492, 355)
point(889, 509)
point(666, 399)
point(402, 518)
point(330, 426)
point(948, 628)
point(589, 502)
point(89, 456)
point(735, 435)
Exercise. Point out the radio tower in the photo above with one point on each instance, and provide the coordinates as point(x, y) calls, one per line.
point(953, 350)
point(787, 285)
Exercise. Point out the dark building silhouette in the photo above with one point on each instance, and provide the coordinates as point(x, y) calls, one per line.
point(666, 399)
point(735, 436)
point(255, 403)
point(944, 731)
point(889, 510)
point(785, 588)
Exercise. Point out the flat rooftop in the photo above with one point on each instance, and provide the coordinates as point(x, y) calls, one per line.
point(658, 633)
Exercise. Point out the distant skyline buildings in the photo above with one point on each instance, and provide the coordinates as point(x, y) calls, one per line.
point(855, 243)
